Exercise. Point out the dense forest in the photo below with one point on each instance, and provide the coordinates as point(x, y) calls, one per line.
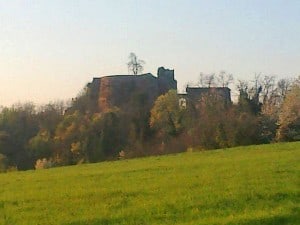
point(59, 134)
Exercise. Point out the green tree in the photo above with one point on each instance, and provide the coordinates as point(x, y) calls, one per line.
point(50, 115)
point(41, 145)
point(3, 163)
point(5, 142)
point(105, 136)
point(88, 138)
point(19, 124)
point(166, 115)
point(70, 138)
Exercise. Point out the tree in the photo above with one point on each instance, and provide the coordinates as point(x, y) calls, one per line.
point(84, 102)
point(289, 117)
point(70, 139)
point(107, 126)
point(50, 115)
point(18, 124)
point(249, 95)
point(86, 138)
point(207, 80)
point(135, 65)
point(41, 145)
point(5, 142)
point(283, 86)
point(224, 79)
point(166, 115)
point(209, 129)
point(272, 96)
point(3, 163)
point(268, 88)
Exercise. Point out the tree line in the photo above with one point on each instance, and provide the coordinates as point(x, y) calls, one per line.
point(56, 134)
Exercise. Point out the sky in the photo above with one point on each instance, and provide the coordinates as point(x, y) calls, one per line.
point(49, 50)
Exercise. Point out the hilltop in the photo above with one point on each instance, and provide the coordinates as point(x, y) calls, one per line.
point(141, 115)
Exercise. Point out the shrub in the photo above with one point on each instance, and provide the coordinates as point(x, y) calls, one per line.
point(43, 164)
point(3, 163)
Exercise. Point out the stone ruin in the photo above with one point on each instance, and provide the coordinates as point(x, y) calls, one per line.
point(123, 91)
point(127, 91)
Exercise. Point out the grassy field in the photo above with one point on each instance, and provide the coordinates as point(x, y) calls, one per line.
point(246, 185)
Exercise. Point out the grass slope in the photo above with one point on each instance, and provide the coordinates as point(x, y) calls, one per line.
point(245, 185)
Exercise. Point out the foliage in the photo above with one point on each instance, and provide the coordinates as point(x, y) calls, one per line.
point(209, 124)
point(43, 164)
point(50, 115)
point(41, 145)
point(83, 138)
point(111, 139)
point(18, 124)
point(69, 132)
point(166, 115)
point(289, 117)
point(26, 133)
point(3, 163)
point(84, 103)
point(249, 97)
point(244, 185)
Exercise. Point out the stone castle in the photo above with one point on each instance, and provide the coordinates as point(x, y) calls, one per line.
point(121, 90)
point(124, 91)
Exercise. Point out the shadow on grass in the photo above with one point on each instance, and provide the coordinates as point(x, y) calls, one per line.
point(275, 220)
point(106, 221)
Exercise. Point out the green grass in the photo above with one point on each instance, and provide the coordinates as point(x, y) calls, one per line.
point(245, 185)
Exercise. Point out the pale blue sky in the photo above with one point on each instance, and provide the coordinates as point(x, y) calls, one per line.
point(49, 49)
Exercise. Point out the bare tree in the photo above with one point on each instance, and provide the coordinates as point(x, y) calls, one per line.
point(255, 89)
point(207, 80)
point(270, 100)
point(268, 88)
point(243, 88)
point(210, 80)
point(224, 79)
point(135, 65)
point(201, 80)
point(274, 95)
point(283, 86)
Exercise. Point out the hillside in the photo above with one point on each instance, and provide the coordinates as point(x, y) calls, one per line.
point(244, 185)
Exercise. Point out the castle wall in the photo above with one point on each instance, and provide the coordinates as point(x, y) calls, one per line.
point(125, 91)
point(195, 93)
point(121, 91)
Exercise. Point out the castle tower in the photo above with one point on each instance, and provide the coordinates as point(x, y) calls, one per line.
point(166, 80)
